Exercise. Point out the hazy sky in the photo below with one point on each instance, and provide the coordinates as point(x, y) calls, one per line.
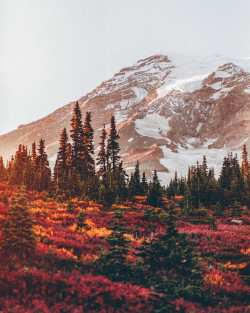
point(55, 51)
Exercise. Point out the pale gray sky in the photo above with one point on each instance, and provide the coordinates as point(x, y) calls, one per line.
point(55, 51)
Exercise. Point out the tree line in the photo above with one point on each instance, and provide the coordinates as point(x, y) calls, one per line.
point(201, 189)
point(76, 173)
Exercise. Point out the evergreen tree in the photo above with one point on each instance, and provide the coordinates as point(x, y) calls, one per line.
point(2, 170)
point(113, 264)
point(88, 179)
point(43, 172)
point(77, 139)
point(154, 197)
point(135, 185)
point(88, 147)
point(144, 183)
point(61, 167)
point(236, 209)
point(18, 237)
point(33, 153)
point(245, 168)
point(170, 190)
point(171, 265)
point(113, 147)
point(102, 154)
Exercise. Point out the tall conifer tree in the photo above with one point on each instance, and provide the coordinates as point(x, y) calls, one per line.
point(113, 147)
point(77, 138)
point(102, 154)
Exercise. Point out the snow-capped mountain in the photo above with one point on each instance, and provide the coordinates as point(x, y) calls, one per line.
point(170, 111)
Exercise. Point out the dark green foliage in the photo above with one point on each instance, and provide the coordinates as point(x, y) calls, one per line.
point(144, 183)
point(231, 182)
point(113, 263)
point(218, 209)
point(18, 237)
point(61, 170)
point(113, 148)
point(77, 138)
point(155, 194)
point(31, 171)
point(137, 187)
point(102, 154)
point(171, 265)
point(236, 209)
point(2, 170)
point(42, 169)
point(88, 163)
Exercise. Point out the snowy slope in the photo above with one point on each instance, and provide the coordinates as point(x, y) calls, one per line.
point(170, 110)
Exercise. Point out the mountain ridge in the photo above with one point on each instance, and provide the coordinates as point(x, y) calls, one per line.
point(161, 111)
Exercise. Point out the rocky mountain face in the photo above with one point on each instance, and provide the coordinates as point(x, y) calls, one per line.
point(170, 110)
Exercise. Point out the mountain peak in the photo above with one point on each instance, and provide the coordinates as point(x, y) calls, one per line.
point(170, 110)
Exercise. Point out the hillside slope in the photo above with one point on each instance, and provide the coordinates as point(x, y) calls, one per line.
point(169, 109)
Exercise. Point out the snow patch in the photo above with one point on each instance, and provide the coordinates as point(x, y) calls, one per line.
point(183, 85)
point(130, 139)
point(222, 92)
point(120, 116)
point(153, 125)
point(186, 157)
point(247, 90)
point(222, 74)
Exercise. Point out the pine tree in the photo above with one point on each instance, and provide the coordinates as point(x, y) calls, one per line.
point(245, 167)
point(170, 190)
point(18, 237)
point(154, 197)
point(102, 154)
point(113, 147)
point(33, 153)
point(88, 148)
point(138, 189)
point(77, 139)
point(204, 167)
point(43, 172)
point(236, 209)
point(113, 264)
point(171, 265)
point(61, 162)
point(2, 170)
point(135, 185)
point(144, 183)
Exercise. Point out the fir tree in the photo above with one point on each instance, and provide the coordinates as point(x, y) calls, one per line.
point(113, 147)
point(113, 264)
point(33, 153)
point(144, 183)
point(61, 162)
point(236, 209)
point(138, 189)
point(2, 170)
point(245, 168)
point(135, 185)
point(154, 197)
point(43, 172)
point(77, 139)
point(171, 265)
point(102, 154)
point(88, 147)
point(18, 237)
